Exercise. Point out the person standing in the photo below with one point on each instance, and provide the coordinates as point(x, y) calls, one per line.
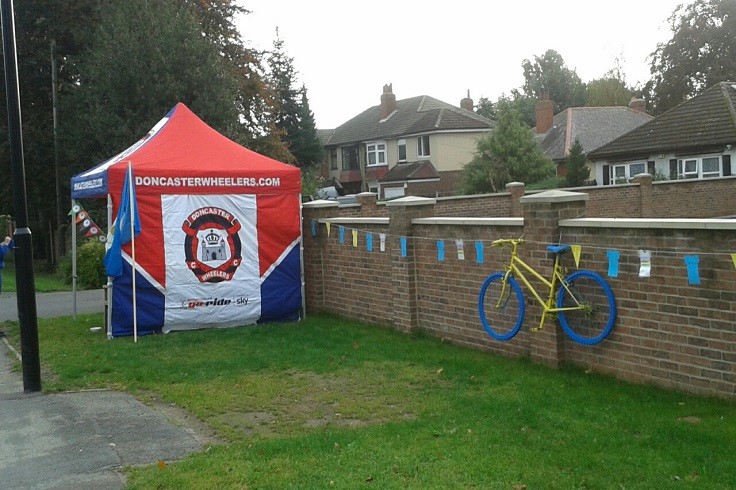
point(5, 247)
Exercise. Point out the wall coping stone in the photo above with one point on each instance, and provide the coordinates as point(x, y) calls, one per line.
point(411, 201)
point(472, 196)
point(554, 196)
point(651, 223)
point(320, 203)
point(356, 220)
point(469, 221)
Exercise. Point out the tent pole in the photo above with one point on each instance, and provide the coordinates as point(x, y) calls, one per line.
point(133, 212)
point(74, 259)
point(301, 257)
point(108, 313)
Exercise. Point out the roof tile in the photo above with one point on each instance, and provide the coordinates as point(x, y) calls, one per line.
point(706, 120)
point(415, 115)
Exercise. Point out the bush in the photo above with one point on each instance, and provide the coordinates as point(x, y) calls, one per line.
point(90, 271)
point(551, 183)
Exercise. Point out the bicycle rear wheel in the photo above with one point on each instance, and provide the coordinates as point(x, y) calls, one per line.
point(594, 320)
point(501, 306)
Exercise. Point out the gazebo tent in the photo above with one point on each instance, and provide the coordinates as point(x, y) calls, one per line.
point(220, 230)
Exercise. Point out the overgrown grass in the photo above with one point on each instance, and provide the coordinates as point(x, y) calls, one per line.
point(330, 402)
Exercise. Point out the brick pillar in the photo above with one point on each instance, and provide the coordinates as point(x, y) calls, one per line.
point(542, 213)
point(367, 201)
point(403, 287)
point(314, 249)
point(516, 191)
point(645, 194)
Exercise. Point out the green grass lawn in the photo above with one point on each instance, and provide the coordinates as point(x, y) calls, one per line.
point(45, 281)
point(334, 403)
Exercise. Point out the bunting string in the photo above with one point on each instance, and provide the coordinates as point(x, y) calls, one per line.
point(691, 259)
point(85, 224)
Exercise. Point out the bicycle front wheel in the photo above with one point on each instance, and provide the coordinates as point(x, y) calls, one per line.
point(501, 306)
point(595, 315)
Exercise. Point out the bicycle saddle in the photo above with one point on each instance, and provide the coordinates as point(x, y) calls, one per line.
point(558, 249)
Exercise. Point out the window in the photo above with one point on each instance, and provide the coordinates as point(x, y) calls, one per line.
point(622, 174)
point(636, 169)
point(350, 158)
point(375, 153)
point(393, 192)
point(619, 174)
point(333, 159)
point(423, 146)
point(699, 168)
point(711, 167)
point(401, 147)
point(688, 169)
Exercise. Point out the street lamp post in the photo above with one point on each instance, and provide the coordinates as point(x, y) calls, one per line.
point(25, 282)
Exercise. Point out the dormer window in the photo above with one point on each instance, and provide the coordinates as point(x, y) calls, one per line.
point(375, 153)
point(423, 146)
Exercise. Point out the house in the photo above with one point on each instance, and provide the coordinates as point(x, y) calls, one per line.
point(694, 140)
point(416, 146)
point(592, 126)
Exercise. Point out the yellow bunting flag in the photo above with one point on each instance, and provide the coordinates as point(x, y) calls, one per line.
point(328, 228)
point(355, 238)
point(576, 254)
point(733, 257)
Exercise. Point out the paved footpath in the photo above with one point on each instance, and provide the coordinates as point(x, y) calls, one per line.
point(77, 440)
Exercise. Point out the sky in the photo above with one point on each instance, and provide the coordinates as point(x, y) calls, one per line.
point(345, 51)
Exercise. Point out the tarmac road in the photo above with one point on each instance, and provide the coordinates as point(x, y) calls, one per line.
point(77, 440)
point(50, 305)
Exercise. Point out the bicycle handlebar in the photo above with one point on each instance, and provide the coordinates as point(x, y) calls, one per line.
point(506, 241)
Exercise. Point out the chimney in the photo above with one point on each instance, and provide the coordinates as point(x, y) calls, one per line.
point(639, 105)
point(467, 103)
point(545, 112)
point(388, 101)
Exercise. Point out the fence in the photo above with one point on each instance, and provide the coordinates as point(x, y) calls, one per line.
point(408, 267)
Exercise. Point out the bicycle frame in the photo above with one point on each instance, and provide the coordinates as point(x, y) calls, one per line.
point(517, 267)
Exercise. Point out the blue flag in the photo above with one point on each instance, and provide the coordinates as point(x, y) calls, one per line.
point(128, 210)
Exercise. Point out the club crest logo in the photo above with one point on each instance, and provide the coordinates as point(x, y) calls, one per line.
point(212, 246)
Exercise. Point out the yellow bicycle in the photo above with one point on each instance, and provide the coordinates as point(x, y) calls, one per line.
point(584, 303)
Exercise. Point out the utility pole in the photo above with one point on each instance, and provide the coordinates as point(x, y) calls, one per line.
point(24, 278)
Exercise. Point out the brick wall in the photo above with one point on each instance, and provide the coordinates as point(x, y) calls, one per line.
point(665, 199)
point(668, 333)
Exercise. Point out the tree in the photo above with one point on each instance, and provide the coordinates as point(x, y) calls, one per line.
point(111, 84)
point(38, 22)
point(610, 90)
point(255, 98)
point(292, 116)
point(508, 153)
point(307, 147)
point(282, 79)
point(136, 69)
point(577, 170)
point(549, 76)
point(486, 108)
point(607, 92)
point(701, 53)
point(524, 105)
